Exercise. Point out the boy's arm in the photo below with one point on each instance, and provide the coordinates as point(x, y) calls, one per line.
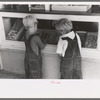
point(39, 42)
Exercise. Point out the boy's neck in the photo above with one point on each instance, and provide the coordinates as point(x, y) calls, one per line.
point(30, 32)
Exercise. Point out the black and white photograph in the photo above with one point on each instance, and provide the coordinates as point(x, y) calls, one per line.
point(51, 42)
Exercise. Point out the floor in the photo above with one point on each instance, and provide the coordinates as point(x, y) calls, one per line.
point(10, 75)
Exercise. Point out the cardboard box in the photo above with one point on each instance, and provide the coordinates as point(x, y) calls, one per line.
point(81, 8)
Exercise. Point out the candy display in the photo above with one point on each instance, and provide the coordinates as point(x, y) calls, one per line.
point(16, 30)
point(11, 35)
point(51, 36)
point(91, 40)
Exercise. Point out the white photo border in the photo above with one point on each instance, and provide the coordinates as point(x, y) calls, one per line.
point(49, 88)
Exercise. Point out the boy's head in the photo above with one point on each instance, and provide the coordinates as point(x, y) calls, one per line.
point(30, 22)
point(64, 25)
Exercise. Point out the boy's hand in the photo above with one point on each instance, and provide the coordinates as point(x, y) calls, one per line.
point(45, 43)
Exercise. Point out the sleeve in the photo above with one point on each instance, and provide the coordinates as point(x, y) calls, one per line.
point(38, 41)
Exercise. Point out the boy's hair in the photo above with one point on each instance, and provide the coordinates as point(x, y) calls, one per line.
point(29, 21)
point(64, 24)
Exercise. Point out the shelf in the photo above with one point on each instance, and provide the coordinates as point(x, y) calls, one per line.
point(52, 12)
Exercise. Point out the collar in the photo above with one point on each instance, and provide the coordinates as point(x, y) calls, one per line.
point(71, 35)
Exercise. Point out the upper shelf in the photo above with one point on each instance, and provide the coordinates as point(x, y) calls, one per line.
point(51, 12)
point(52, 9)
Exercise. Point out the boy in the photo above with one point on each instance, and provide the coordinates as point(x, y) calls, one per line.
point(68, 47)
point(33, 43)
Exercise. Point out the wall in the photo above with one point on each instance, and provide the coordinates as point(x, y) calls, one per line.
point(13, 61)
point(91, 68)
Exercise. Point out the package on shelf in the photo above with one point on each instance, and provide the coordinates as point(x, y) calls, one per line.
point(91, 40)
point(82, 8)
point(12, 35)
point(1, 6)
point(22, 7)
point(37, 7)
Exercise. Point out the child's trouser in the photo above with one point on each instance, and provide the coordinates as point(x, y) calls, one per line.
point(33, 68)
point(71, 68)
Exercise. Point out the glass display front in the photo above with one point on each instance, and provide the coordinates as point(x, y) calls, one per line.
point(88, 31)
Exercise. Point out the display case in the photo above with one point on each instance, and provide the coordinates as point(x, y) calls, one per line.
point(87, 26)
